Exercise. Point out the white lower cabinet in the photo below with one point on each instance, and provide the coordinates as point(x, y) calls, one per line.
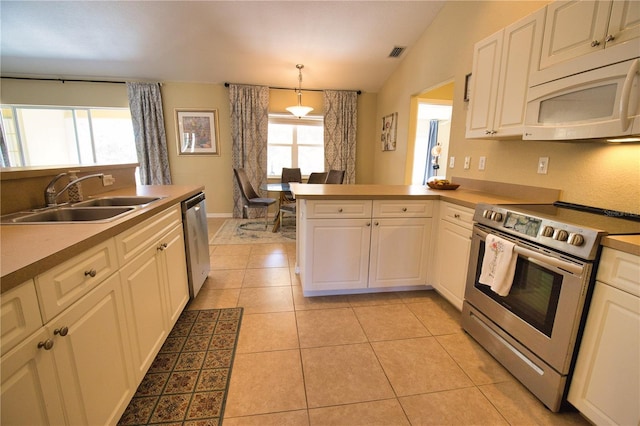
point(364, 245)
point(606, 383)
point(76, 369)
point(118, 301)
point(452, 254)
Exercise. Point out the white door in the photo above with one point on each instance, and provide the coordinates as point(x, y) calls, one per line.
point(399, 252)
point(337, 255)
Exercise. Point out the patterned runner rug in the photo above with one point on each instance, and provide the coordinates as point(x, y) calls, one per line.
point(188, 381)
point(251, 231)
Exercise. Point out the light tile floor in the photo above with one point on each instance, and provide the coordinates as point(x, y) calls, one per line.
point(386, 359)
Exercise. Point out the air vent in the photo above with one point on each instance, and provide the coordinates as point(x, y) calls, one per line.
point(396, 51)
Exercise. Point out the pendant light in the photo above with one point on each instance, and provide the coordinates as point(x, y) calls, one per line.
point(299, 110)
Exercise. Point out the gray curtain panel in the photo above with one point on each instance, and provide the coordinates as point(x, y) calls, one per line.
point(145, 103)
point(249, 128)
point(340, 124)
point(431, 167)
point(4, 152)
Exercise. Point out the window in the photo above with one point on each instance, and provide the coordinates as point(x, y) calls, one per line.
point(50, 136)
point(295, 142)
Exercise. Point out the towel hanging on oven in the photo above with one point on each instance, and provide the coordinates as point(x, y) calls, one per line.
point(498, 264)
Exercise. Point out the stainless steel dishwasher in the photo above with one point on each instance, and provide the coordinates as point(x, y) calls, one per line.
point(194, 220)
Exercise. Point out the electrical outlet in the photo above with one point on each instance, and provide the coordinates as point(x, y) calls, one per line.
point(543, 165)
point(452, 162)
point(108, 180)
point(467, 163)
point(482, 162)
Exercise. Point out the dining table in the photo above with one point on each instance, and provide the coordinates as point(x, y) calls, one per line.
point(281, 188)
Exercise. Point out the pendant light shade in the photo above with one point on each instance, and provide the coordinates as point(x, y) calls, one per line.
point(299, 110)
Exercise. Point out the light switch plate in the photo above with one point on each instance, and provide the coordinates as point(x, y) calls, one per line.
point(482, 162)
point(452, 162)
point(467, 163)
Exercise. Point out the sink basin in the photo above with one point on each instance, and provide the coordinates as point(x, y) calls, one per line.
point(69, 214)
point(117, 201)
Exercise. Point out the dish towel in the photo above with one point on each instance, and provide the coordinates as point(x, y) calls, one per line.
point(498, 265)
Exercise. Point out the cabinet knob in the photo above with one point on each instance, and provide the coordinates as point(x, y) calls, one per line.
point(340, 210)
point(61, 331)
point(368, 223)
point(487, 132)
point(162, 246)
point(610, 38)
point(90, 273)
point(595, 43)
point(376, 224)
point(47, 345)
point(456, 215)
point(404, 209)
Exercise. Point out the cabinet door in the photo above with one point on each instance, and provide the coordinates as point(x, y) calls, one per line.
point(573, 28)
point(20, 315)
point(30, 390)
point(93, 356)
point(606, 382)
point(143, 290)
point(454, 246)
point(337, 254)
point(484, 87)
point(399, 252)
point(624, 24)
point(520, 55)
point(174, 271)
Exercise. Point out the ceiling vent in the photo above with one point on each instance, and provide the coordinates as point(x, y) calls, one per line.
point(396, 51)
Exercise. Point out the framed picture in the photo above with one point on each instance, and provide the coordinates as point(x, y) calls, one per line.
point(198, 132)
point(389, 132)
point(467, 88)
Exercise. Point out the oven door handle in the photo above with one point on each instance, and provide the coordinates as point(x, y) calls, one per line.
point(541, 258)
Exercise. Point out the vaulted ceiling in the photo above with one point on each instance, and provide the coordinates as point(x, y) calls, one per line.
point(342, 44)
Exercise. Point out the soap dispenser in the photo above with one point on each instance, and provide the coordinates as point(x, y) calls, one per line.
point(74, 191)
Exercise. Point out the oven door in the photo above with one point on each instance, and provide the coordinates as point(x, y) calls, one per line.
point(544, 306)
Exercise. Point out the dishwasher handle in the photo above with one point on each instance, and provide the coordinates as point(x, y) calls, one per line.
point(193, 201)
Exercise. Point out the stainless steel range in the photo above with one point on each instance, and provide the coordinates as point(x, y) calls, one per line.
point(533, 330)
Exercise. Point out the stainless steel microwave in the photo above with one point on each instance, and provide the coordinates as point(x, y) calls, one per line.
point(602, 103)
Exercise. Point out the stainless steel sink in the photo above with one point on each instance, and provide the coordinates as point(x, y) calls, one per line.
point(68, 214)
point(117, 201)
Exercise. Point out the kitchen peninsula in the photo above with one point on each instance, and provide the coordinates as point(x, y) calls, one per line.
point(375, 238)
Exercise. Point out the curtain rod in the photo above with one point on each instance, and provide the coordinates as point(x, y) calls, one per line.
point(359, 92)
point(64, 80)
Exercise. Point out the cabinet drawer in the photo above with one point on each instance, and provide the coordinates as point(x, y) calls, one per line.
point(402, 208)
point(456, 214)
point(339, 209)
point(133, 241)
point(20, 315)
point(59, 287)
point(620, 270)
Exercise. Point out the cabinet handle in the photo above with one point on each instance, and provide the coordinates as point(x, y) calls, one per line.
point(90, 273)
point(610, 38)
point(487, 132)
point(162, 246)
point(595, 43)
point(61, 331)
point(47, 345)
point(457, 216)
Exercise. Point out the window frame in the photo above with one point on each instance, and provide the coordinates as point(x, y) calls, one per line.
point(288, 119)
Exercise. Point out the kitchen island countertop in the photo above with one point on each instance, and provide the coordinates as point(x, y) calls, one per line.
point(28, 250)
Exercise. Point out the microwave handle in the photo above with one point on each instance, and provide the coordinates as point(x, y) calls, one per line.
point(626, 94)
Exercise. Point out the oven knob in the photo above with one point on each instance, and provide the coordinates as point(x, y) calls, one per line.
point(560, 235)
point(547, 231)
point(487, 214)
point(496, 217)
point(575, 239)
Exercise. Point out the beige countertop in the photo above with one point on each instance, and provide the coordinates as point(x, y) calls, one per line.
point(627, 243)
point(28, 250)
point(460, 196)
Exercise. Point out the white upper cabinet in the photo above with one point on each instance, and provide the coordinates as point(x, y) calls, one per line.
point(500, 78)
point(577, 28)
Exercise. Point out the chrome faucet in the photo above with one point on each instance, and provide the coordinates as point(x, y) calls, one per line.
point(50, 194)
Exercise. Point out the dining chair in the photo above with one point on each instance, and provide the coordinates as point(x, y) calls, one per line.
point(251, 198)
point(289, 175)
point(317, 177)
point(335, 176)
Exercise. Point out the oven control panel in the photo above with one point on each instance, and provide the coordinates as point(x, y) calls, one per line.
point(566, 237)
